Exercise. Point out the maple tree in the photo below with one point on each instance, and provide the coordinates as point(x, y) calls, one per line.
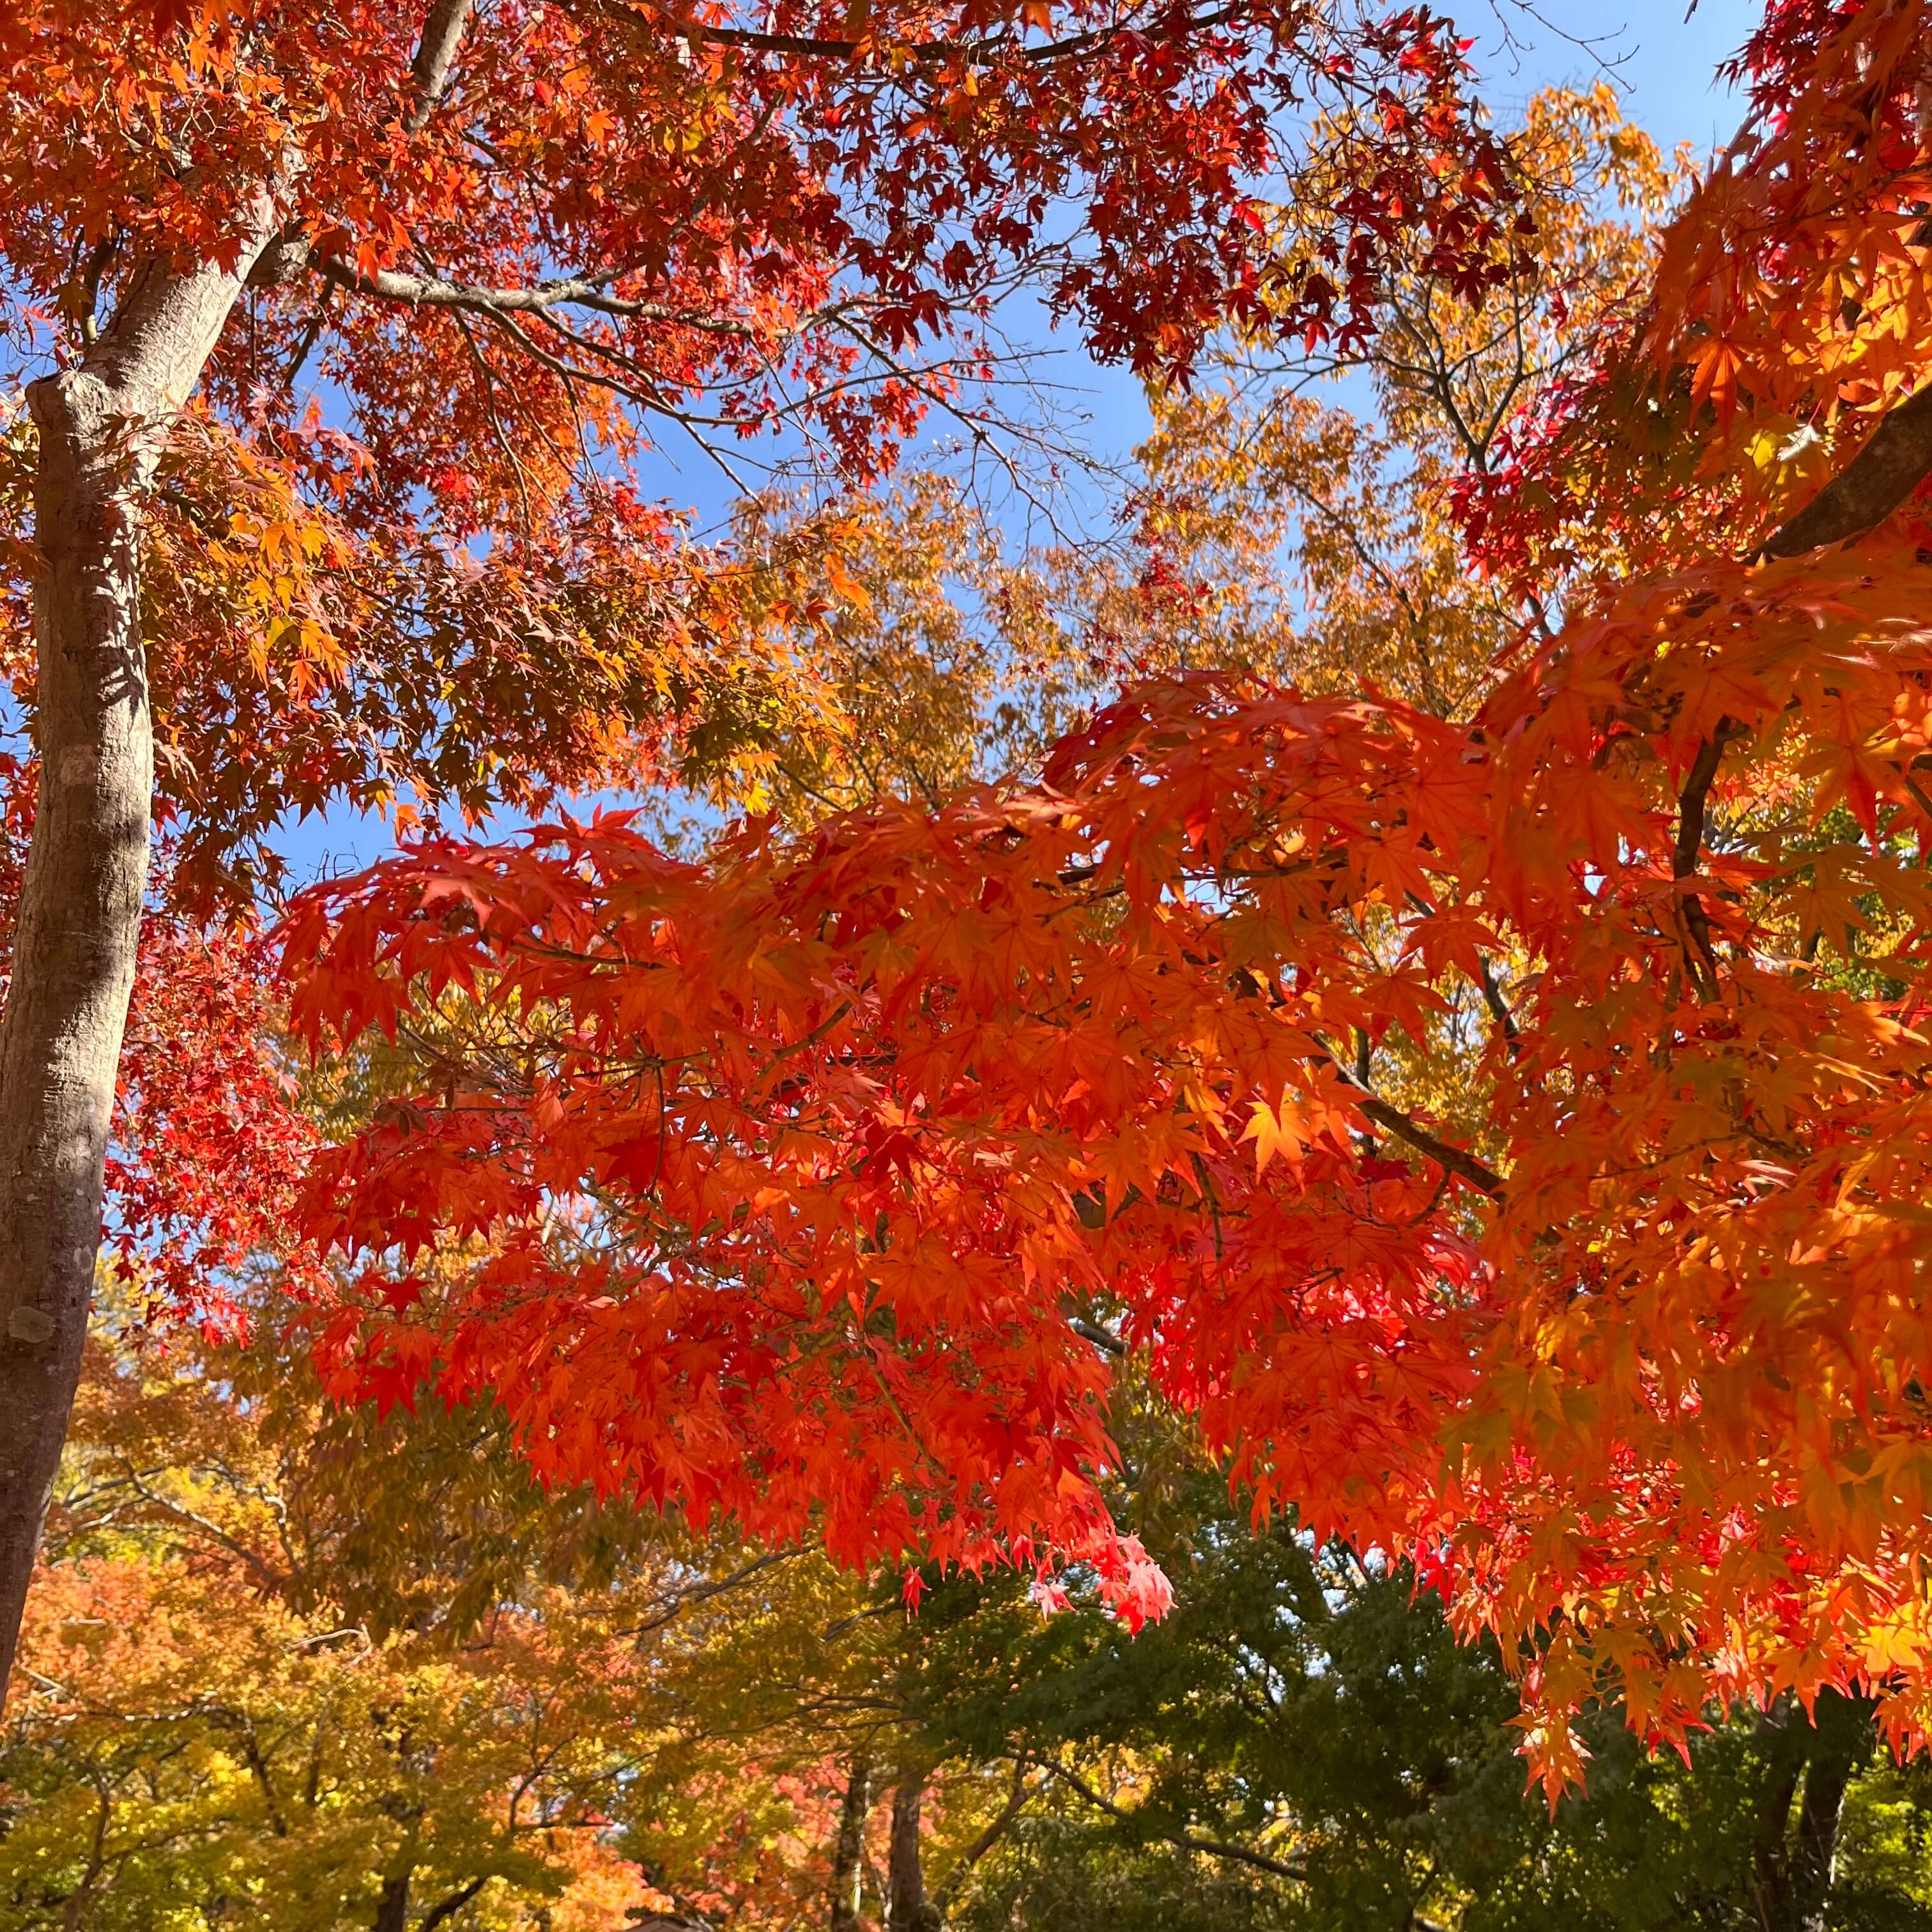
point(228, 1709)
point(287, 1664)
point(1264, 529)
point(343, 335)
point(806, 1176)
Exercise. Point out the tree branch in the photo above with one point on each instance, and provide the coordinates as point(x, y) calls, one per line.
point(986, 48)
point(1191, 1841)
point(1499, 1007)
point(666, 1608)
point(438, 291)
point(456, 1900)
point(1892, 464)
point(1102, 1338)
point(948, 1888)
point(1689, 852)
point(1458, 1161)
point(435, 55)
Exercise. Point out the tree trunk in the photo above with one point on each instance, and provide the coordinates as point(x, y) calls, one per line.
point(392, 1908)
point(1843, 1745)
point(907, 1908)
point(848, 1852)
point(1784, 1739)
point(1792, 1870)
point(103, 427)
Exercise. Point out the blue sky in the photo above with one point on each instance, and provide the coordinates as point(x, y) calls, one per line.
point(1664, 64)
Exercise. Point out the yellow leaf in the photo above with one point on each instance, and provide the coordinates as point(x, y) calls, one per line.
point(1276, 1131)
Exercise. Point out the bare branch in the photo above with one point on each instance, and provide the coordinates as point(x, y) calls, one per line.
point(587, 291)
point(1103, 1338)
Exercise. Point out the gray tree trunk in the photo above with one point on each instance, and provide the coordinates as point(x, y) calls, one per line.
point(848, 1852)
point(392, 1908)
point(1845, 1740)
point(907, 1908)
point(1793, 1873)
point(103, 427)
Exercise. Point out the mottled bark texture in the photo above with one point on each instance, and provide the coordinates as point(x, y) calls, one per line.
point(103, 426)
point(435, 56)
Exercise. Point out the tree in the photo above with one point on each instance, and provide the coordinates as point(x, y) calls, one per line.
point(299, 1667)
point(287, 1664)
point(225, 1713)
point(511, 243)
point(864, 1133)
point(1261, 530)
point(1305, 1743)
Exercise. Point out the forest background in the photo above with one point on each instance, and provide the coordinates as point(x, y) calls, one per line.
point(292, 1662)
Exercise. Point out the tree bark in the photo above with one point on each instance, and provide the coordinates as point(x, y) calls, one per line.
point(1784, 1739)
point(907, 1908)
point(848, 1852)
point(1842, 1746)
point(103, 427)
point(392, 1908)
point(1792, 1870)
point(436, 56)
point(1893, 462)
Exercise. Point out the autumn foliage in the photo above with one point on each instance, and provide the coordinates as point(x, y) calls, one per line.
point(1473, 1059)
point(351, 342)
point(404, 549)
point(795, 1184)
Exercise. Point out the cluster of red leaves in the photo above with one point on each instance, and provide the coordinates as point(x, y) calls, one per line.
point(1787, 315)
point(210, 1145)
point(752, 199)
point(622, 222)
point(785, 1177)
point(783, 1172)
point(794, 1180)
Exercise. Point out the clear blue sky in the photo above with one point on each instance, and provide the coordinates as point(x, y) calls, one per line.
point(1664, 65)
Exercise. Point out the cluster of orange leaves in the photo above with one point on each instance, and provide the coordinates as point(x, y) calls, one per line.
point(794, 1182)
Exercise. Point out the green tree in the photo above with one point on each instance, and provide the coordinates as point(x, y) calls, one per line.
point(1305, 1742)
